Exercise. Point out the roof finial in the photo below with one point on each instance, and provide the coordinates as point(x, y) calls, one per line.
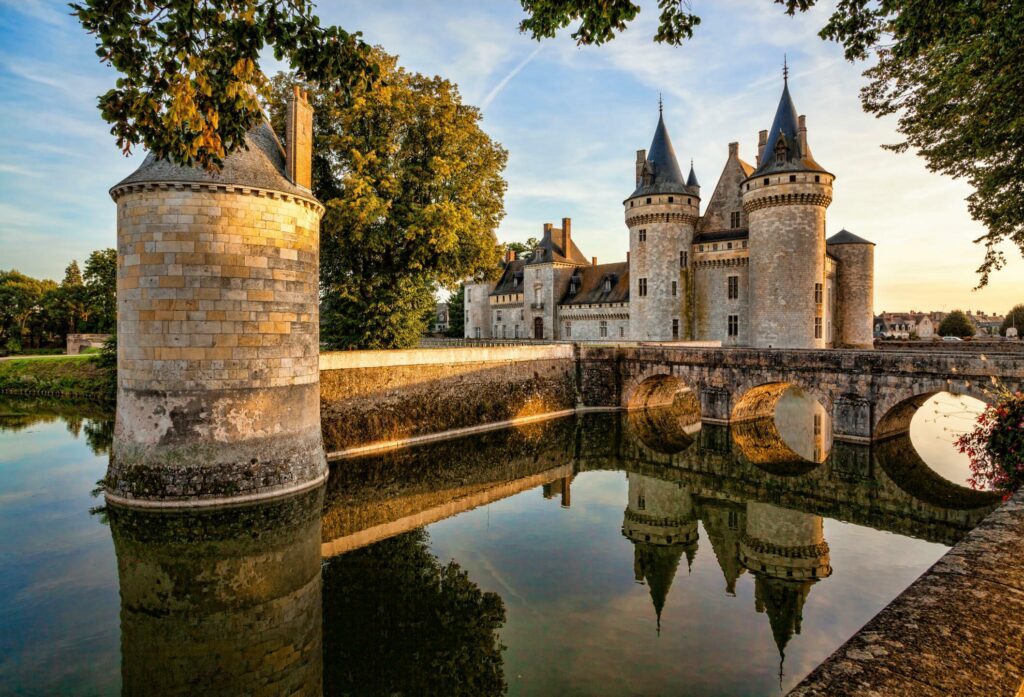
point(785, 69)
point(659, 104)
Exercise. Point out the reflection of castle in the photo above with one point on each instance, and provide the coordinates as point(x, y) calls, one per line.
point(785, 550)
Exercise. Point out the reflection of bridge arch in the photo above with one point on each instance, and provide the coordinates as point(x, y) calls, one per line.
point(758, 400)
point(668, 430)
point(895, 410)
point(900, 461)
point(759, 443)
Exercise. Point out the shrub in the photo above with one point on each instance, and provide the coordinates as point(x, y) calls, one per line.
point(996, 446)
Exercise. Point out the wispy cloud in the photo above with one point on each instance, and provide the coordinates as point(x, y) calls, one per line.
point(503, 83)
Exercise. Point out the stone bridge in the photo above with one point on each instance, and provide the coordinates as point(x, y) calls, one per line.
point(871, 395)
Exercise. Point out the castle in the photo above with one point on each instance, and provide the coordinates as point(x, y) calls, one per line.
point(755, 269)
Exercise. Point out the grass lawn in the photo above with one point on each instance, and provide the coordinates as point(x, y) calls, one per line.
point(73, 376)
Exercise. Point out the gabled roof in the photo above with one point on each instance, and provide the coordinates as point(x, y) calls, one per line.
point(549, 249)
point(785, 135)
point(661, 173)
point(260, 165)
point(844, 236)
point(586, 285)
point(511, 280)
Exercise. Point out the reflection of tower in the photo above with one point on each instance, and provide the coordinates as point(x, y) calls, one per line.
point(561, 488)
point(222, 602)
point(787, 552)
point(724, 523)
point(661, 522)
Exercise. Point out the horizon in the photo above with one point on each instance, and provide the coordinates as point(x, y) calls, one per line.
point(572, 120)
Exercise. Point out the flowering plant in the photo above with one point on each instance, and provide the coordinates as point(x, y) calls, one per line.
point(996, 446)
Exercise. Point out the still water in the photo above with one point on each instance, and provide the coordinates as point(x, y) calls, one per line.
point(612, 554)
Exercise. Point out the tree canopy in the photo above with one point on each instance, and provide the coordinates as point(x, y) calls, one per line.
point(188, 69)
point(1014, 318)
point(956, 323)
point(950, 70)
point(414, 194)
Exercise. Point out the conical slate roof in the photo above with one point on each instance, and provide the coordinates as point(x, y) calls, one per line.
point(844, 236)
point(656, 564)
point(261, 166)
point(691, 180)
point(785, 130)
point(661, 171)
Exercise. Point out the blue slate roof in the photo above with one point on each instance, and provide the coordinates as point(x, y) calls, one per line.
point(661, 171)
point(785, 134)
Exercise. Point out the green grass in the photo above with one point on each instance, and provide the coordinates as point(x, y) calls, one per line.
point(70, 376)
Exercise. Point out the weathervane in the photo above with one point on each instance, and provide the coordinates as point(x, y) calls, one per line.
point(659, 104)
point(785, 69)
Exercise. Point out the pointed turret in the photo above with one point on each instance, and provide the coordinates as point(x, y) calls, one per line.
point(786, 148)
point(656, 565)
point(661, 173)
point(691, 181)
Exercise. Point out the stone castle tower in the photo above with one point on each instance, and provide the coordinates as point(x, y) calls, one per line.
point(785, 200)
point(661, 214)
point(218, 328)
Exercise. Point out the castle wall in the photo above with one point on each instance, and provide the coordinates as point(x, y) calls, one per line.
point(478, 310)
point(787, 259)
point(855, 291)
point(585, 321)
point(669, 230)
point(712, 305)
point(508, 318)
point(218, 343)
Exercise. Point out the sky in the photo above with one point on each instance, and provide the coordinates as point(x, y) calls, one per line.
point(571, 118)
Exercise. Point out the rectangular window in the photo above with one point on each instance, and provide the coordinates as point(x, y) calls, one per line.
point(714, 247)
point(674, 284)
point(671, 199)
point(817, 327)
point(642, 287)
point(568, 330)
point(734, 287)
point(817, 293)
point(504, 331)
point(682, 259)
point(728, 245)
point(675, 329)
point(517, 331)
point(622, 332)
point(734, 325)
point(469, 295)
point(734, 219)
point(476, 332)
point(641, 235)
point(604, 329)
point(499, 315)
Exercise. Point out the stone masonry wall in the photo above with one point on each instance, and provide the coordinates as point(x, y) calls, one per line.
point(855, 288)
point(787, 258)
point(711, 271)
point(218, 342)
point(373, 396)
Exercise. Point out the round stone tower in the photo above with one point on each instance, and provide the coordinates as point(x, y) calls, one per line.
point(218, 335)
point(662, 216)
point(785, 201)
point(855, 286)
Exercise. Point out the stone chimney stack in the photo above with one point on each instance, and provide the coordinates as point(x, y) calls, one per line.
point(641, 160)
point(802, 135)
point(566, 235)
point(299, 137)
point(734, 150)
point(593, 261)
point(762, 140)
point(510, 256)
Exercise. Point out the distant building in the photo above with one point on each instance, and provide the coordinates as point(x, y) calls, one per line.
point(755, 269)
point(925, 325)
point(441, 319)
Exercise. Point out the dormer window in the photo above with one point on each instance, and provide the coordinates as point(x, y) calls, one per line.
point(781, 149)
point(607, 285)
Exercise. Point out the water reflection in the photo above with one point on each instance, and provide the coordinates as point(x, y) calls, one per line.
point(622, 552)
point(221, 602)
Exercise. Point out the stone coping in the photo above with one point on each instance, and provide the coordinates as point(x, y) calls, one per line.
point(957, 630)
point(349, 360)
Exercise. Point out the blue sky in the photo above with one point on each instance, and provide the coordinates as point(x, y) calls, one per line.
point(572, 120)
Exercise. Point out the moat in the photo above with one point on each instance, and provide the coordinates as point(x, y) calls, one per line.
point(612, 553)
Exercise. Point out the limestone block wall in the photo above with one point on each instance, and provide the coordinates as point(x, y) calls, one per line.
point(509, 320)
point(585, 322)
point(478, 311)
point(374, 396)
point(668, 230)
point(787, 258)
point(712, 305)
point(855, 294)
point(218, 343)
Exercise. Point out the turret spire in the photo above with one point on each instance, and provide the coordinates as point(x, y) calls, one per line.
point(785, 70)
point(786, 147)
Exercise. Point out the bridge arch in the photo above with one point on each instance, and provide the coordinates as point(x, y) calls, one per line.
point(793, 440)
point(656, 386)
point(896, 407)
point(756, 399)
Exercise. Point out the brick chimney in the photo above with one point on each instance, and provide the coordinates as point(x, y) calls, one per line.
point(593, 261)
point(734, 150)
point(802, 134)
point(566, 235)
point(762, 140)
point(299, 139)
point(641, 160)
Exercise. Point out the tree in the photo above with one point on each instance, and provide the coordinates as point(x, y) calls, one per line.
point(523, 250)
point(457, 312)
point(414, 193)
point(950, 70)
point(101, 290)
point(65, 308)
point(956, 323)
point(188, 69)
point(1014, 318)
point(20, 298)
